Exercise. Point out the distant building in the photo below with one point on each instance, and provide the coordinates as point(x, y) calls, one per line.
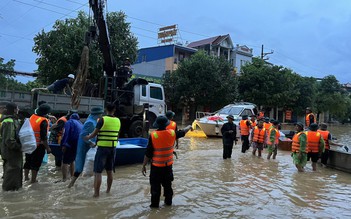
point(155, 61)
point(222, 46)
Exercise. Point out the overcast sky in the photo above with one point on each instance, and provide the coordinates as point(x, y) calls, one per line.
point(312, 37)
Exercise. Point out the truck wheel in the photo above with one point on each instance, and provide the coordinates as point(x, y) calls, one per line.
point(136, 129)
point(152, 118)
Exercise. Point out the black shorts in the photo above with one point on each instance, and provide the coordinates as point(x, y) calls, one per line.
point(69, 155)
point(34, 160)
point(104, 159)
point(314, 157)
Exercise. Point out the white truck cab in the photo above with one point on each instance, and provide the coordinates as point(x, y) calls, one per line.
point(154, 95)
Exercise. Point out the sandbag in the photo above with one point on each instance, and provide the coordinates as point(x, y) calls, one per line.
point(27, 137)
point(88, 169)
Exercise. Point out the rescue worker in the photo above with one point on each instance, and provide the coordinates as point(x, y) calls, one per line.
point(59, 86)
point(40, 125)
point(260, 115)
point(228, 131)
point(244, 127)
point(327, 140)
point(258, 136)
point(299, 147)
point(107, 131)
point(160, 152)
point(2, 109)
point(11, 149)
point(267, 125)
point(310, 117)
point(273, 140)
point(172, 124)
point(83, 145)
point(56, 132)
point(315, 145)
point(253, 121)
point(73, 128)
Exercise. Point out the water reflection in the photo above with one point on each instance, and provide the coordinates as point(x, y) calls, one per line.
point(205, 186)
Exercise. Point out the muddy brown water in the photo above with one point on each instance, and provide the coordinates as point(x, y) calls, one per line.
point(205, 186)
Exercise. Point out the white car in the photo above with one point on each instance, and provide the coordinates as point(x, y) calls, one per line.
point(211, 123)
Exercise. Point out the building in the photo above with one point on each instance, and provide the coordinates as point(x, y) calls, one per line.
point(155, 61)
point(222, 46)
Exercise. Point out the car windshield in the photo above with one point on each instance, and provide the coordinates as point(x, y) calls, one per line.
point(231, 110)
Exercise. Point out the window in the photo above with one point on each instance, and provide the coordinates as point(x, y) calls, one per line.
point(143, 91)
point(247, 112)
point(156, 93)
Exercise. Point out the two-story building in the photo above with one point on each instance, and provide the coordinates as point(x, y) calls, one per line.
point(155, 61)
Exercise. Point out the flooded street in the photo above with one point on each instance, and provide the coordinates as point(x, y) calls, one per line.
point(205, 186)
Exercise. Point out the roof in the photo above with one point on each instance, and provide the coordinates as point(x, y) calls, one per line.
point(213, 40)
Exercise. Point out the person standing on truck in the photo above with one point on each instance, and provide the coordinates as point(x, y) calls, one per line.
point(160, 152)
point(40, 125)
point(83, 145)
point(107, 131)
point(11, 149)
point(69, 144)
point(59, 86)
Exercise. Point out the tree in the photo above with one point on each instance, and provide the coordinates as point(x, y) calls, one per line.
point(59, 50)
point(6, 80)
point(332, 98)
point(202, 80)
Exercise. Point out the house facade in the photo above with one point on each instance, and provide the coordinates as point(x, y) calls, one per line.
point(222, 46)
point(155, 61)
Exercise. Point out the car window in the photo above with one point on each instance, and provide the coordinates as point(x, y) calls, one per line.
point(235, 110)
point(224, 110)
point(247, 112)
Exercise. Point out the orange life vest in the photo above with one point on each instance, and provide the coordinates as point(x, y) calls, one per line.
point(277, 135)
point(244, 129)
point(325, 135)
point(259, 134)
point(313, 139)
point(35, 122)
point(307, 119)
point(267, 125)
point(295, 147)
point(64, 119)
point(163, 142)
point(172, 125)
point(253, 124)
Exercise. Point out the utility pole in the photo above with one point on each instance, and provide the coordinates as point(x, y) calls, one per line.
point(263, 54)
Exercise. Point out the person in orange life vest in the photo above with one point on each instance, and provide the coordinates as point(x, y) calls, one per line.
point(310, 117)
point(327, 140)
point(228, 131)
point(267, 125)
point(244, 126)
point(172, 125)
point(40, 125)
point(106, 130)
point(315, 145)
point(258, 136)
point(56, 133)
point(160, 152)
point(273, 140)
point(299, 147)
point(253, 121)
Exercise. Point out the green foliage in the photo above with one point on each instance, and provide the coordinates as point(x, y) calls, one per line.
point(60, 49)
point(201, 80)
point(6, 80)
point(332, 98)
point(273, 86)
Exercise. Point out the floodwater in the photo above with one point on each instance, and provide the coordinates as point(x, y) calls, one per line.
point(205, 186)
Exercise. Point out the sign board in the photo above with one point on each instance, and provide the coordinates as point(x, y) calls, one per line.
point(167, 34)
point(288, 114)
